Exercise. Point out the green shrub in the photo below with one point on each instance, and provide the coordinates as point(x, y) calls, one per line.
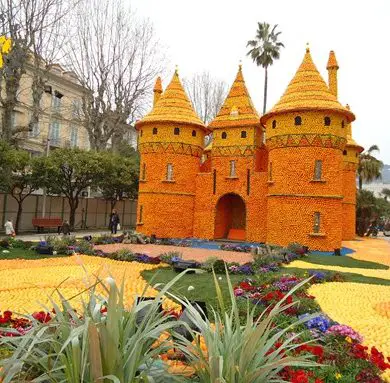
point(85, 247)
point(295, 248)
point(209, 263)
point(125, 255)
point(4, 243)
point(167, 257)
point(60, 243)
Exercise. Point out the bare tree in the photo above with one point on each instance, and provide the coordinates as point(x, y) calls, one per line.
point(116, 58)
point(35, 28)
point(206, 94)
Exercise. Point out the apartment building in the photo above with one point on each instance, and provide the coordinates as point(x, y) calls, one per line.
point(60, 121)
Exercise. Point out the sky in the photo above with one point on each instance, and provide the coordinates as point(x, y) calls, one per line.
point(211, 35)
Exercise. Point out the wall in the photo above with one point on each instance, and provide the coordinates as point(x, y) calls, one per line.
point(96, 211)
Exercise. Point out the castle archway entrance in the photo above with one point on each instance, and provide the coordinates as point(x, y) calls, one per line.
point(230, 218)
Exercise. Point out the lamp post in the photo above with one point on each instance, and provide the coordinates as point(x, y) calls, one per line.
point(47, 153)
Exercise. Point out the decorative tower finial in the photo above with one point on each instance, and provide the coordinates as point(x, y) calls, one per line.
point(176, 70)
point(332, 67)
point(240, 65)
point(157, 90)
point(307, 47)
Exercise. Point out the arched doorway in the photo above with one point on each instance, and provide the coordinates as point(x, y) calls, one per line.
point(230, 218)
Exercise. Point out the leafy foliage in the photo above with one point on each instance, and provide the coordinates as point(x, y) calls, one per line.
point(370, 168)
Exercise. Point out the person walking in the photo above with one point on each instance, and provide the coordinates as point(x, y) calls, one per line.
point(9, 228)
point(114, 222)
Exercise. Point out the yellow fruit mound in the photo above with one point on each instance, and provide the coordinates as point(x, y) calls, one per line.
point(26, 285)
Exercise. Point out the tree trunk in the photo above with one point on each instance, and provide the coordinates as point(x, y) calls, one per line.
point(360, 182)
point(18, 216)
point(73, 205)
point(113, 203)
point(265, 89)
point(7, 123)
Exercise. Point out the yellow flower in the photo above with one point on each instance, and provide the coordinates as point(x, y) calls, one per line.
point(348, 339)
point(338, 376)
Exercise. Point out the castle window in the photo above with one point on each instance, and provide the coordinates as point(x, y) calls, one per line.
point(327, 121)
point(248, 181)
point(140, 133)
point(356, 154)
point(317, 170)
point(141, 211)
point(194, 133)
point(224, 135)
point(270, 172)
point(317, 222)
point(274, 124)
point(214, 181)
point(298, 120)
point(345, 152)
point(232, 169)
point(143, 175)
point(169, 176)
point(243, 134)
point(154, 130)
point(342, 124)
point(176, 131)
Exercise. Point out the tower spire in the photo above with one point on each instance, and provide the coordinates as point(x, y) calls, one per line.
point(332, 68)
point(157, 90)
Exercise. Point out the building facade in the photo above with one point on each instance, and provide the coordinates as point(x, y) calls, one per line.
point(287, 176)
point(60, 122)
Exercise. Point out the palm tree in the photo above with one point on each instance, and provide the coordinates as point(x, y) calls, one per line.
point(265, 48)
point(386, 193)
point(370, 168)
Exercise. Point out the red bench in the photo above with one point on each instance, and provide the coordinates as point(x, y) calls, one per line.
point(42, 222)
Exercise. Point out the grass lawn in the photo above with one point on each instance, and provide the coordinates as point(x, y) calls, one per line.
point(343, 261)
point(15, 253)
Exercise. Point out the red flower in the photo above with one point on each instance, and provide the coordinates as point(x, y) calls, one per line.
point(246, 286)
point(41, 316)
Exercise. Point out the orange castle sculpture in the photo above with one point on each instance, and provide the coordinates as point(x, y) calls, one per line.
point(287, 176)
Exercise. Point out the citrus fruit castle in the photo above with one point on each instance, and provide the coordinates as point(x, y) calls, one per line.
point(287, 176)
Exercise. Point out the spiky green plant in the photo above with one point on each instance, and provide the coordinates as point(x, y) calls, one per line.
point(239, 352)
point(94, 346)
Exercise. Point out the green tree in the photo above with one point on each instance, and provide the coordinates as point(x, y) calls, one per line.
point(265, 48)
point(370, 168)
point(70, 171)
point(21, 178)
point(120, 179)
point(386, 193)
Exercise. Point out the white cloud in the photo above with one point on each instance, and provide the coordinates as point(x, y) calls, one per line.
point(212, 34)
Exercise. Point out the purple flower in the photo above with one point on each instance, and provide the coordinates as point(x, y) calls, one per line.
point(344, 331)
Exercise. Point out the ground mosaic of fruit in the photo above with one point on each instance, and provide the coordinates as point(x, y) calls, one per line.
point(364, 307)
point(26, 284)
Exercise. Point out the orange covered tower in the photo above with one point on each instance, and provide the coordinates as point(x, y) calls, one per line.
point(171, 140)
point(306, 139)
point(350, 165)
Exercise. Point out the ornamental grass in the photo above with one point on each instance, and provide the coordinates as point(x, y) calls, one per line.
point(105, 341)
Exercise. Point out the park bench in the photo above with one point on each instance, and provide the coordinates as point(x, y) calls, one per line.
point(43, 222)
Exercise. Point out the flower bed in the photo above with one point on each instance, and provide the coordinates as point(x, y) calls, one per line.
point(338, 347)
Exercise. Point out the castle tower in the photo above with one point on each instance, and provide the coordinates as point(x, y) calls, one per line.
point(228, 191)
point(306, 139)
point(332, 68)
point(157, 90)
point(171, 140)
point(350, 165)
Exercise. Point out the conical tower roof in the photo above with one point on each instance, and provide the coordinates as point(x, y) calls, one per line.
point(307, 91)
point(158, 85)
point(238, 109)
point(173, 106)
